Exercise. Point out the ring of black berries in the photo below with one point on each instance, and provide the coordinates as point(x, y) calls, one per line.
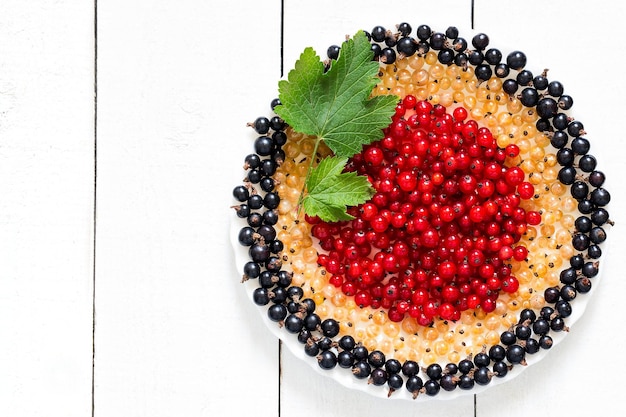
point(256, 203)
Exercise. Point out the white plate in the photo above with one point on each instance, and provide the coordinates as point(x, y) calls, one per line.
point(344, 376)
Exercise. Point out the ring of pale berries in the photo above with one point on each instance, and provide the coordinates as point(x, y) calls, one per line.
point(486, 221)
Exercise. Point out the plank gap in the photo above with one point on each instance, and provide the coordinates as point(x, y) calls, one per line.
point(95, 201)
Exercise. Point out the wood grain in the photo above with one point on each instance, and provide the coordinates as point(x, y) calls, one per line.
point(176, 82)
point(46, 208)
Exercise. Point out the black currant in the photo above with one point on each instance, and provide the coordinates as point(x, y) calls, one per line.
point(452, 32)
point(482, 376)
point(251, 270)
point(423, 32)
point(312, 321)
point(522, 332)
point(330, 327)
point(267, 232)
point(378, 33)
point(541, 327)
point(261, 125)
point(559, 139)
point(590, 269)
point(594, 251)
point(278, 295)
point(527, 314)
point(465, 366)
point(580, 145)
point(567, 175)
point(361, 369)
point(333, 51)
point(483, 72)
point(583, 224)
point(555, 89)
point(551, 295)
point(406, 46)
point(524, 77)
point(568, 292)
point(587, 163)
point(410, 368)
point(388, 56)
point(481, 359)
point(345, 359)
point(448, 382)
point(404, 29)
point(446, 56)
point(502, 71)
point(579, 190)
point(414, 385)
point(393, 366)
point(241, 193)
point(378, 377)
point(529, 97)
point(360, 352)
point(500, 369)
point(493, 56)
point(434, 371)
point(347, 342)
point(497, 353)
point(583, 285)
point(597, 235)
point(459, 45)
point(515, 354)
point(575, 128)
point(247, 236)
point(545, 342)
point(557, 324)
point(431, 388)
point(264, 145)
point(255, 219)
point(277, 312)
point(531, 346)
point(599, 216)
point(260, 296)
point(600, 197)
point(546, 108)
point(376, 358)
point(510, 86)
point(480, 41)
point(311, 348)
point(507, 338)
point(437, 40)
point(466, 382)
point(395, 382)
point(516, 60)
point(327, 359)
point(294, 323)
point(596, 178)
point(255, 201)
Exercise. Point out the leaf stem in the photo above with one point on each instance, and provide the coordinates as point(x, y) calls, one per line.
point(308, 174)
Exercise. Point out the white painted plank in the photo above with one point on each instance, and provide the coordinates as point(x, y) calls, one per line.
point(570, 39)
point(46, 207)
point(321, 24)
point(176, 334)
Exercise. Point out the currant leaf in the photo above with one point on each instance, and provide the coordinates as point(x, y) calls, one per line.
point(335, 106)
point(330, 190)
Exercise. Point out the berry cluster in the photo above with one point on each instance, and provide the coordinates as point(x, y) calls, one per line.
point(434, 239)
point(468, 216)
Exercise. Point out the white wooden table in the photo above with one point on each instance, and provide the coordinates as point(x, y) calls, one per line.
point(120, 127)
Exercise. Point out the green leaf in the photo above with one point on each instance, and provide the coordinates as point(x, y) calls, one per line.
point(335, 106)
point(331, 191)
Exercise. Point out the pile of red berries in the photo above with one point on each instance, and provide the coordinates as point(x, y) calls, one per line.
point(440, 233)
